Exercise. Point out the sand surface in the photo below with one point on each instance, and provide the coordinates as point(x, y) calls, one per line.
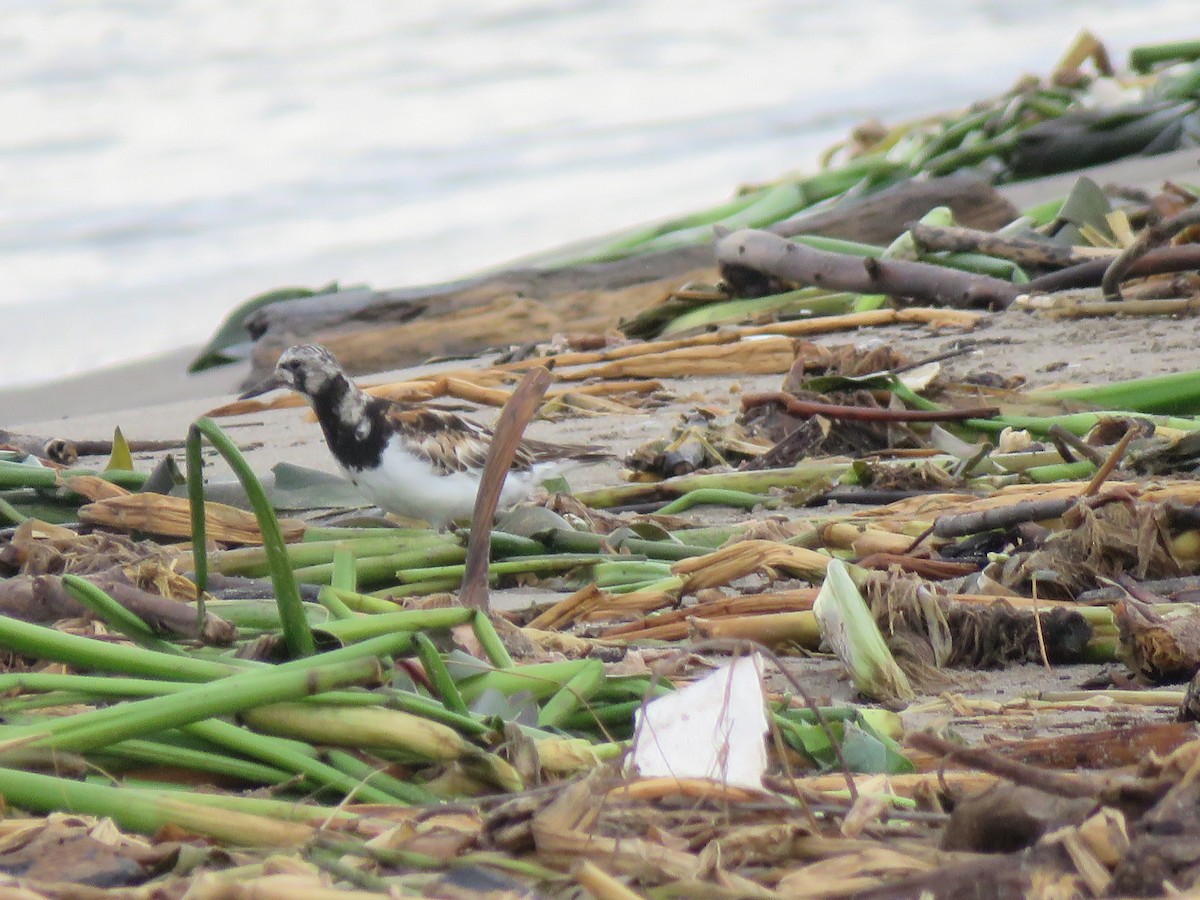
point(155, 400)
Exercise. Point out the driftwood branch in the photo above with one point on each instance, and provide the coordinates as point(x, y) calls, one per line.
point(1151, 237)
point(65, 452)
point(1183, 258)
point(42, 598)
point(1058, 783)
point(749, 255)
point(963, 524)
point(1023, 251)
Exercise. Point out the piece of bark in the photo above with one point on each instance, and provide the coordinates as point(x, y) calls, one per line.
point(802, 407)
point(1009, 818)
point(57, 450)
point(1160, 648)
point(749, 258)
point(492, 315)
point(65, 452)
point(1109, 748)
point(42, 598)
point(963, 524)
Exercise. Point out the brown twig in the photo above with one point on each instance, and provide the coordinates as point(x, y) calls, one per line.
point(516, 414)
point(1057, 783)
point(1114, 460)
point(1151, 236)
point(1066, 442)
point(750, 255)
point(863, 413)
point(1023, 251)
point(1090, 274)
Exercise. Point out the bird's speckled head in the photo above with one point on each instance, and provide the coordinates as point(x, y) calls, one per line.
point(307, 368)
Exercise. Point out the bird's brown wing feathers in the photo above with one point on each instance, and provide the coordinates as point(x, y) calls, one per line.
point(540, 450)
point(449, 442)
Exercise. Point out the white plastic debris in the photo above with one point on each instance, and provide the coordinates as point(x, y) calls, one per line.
point(715, 728)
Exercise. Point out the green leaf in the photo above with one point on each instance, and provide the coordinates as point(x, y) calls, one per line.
point(121, 459)
point(233, 331)
point(868, 753)
point(1086, 206)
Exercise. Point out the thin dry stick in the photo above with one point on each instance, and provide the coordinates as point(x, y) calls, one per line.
point(1057, 433)
point(1057, 783)
point(516, 414)
point(1150, 237)
point(864, 413)
point(1114, 460)
point(1037, 625)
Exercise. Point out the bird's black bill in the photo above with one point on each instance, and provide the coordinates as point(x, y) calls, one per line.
point(269, 383)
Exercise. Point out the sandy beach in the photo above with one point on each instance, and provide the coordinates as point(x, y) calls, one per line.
point(156, 400)
point(151, 392)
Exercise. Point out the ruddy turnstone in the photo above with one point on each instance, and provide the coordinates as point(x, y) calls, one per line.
point(417, 462)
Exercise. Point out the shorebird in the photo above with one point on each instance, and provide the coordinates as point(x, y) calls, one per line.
point(411, 460)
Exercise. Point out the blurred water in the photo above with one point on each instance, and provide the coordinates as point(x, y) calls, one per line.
point(163, 160)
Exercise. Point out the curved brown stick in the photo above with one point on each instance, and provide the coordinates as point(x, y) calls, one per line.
point(517, 412)
point(1150, 237)
point(1183, 258)
point(750, 251)
point(863, 413)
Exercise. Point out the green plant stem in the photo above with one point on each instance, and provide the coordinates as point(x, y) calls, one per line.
point(521, 565)
point(807, 475)
point(101, 727)
point(138, 812)
point(332, 602)
point(541, 680)
point(573, 694)
point(344, 574)
point(489, 640)
point(713, 497)
point(294, 756)
point(296, 632)
point(378, 779)
point(439, 675)
point(87, 653)
point(112, 612)
point(384, 624)
point(362, 603)
point(380, 569)
point(158, 753)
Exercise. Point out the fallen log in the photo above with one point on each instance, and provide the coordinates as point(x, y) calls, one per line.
point(376, 330)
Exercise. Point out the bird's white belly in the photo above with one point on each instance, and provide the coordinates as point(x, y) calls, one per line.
point(408, 486)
